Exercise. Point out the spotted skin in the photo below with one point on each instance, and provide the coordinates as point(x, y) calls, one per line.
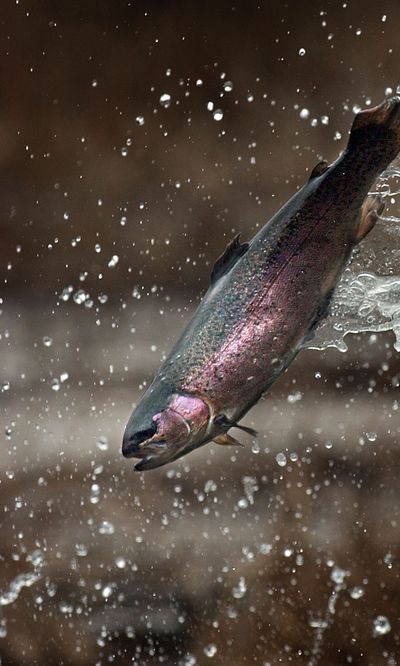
point(253, 320)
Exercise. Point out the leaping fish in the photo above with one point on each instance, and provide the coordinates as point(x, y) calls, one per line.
point(265, 299)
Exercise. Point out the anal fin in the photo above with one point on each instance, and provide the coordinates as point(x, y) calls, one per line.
point(370, 211)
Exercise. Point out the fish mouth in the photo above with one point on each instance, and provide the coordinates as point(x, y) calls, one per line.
point(131, 443)
point(151, 452)
point(152, 461)
point(160, 436)
point(156, 454)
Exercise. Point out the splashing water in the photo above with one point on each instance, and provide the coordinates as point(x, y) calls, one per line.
point(320, 624)
point(24, 580)
point(367, 297)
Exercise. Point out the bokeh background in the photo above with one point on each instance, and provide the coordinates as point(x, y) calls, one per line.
point(135, 139)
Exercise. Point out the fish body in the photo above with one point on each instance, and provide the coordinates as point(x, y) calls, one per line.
point(264, 301)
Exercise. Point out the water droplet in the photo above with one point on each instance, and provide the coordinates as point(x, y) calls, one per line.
point(80, 296)
point(281, 459)
point(357, 592)
point(228, 86)
point(81, 549)
point(338, 575)
point(317, 623)
point(371, 436)
point(102, 443)
point(294, 397)
point(136, 293)
point(66, 292)
point(55, 384)
point(124, 151)
point(302, 52)
point(210, 650)
point(106, 527)
point(113, 261)
point(304, 114)
point(120, 562)
point(250, 487)
point(94, 493)
point(139, 120)
point(189, 660)
point(381, 625)
point(240, 590)
point(165, 100)
point(107, 591)
point(388, 560)
point(65, 607)
point(210, 486)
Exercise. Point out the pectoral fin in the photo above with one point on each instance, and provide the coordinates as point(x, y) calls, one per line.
point(221, 419)
point(370, 212)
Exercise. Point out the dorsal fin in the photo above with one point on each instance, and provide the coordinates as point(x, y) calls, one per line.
point(319, 169)
point(233, 251)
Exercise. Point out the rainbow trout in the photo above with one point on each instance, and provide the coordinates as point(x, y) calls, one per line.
point(265, 299)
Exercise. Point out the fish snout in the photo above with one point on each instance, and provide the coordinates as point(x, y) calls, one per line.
point(133, 439)
point(155, 440)
point(376, 132)
point(387, 113)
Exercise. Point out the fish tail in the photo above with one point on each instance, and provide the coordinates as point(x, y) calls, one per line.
point(376, 133)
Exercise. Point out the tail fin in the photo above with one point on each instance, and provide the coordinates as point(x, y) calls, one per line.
point(376, 132)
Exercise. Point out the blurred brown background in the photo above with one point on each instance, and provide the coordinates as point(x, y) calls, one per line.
point(135, 139)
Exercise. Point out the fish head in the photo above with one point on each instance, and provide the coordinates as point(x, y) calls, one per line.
point(160, 433)
point(376, 132)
